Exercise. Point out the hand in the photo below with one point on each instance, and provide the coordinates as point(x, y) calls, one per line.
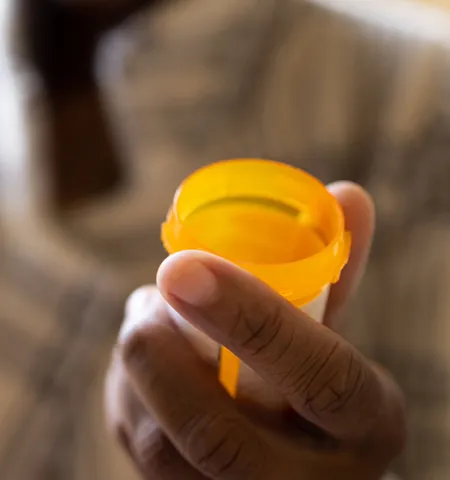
point(318, 411)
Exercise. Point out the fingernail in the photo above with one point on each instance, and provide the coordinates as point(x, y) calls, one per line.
point(189, 281)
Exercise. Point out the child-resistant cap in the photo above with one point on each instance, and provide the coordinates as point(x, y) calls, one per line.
point(273, 220)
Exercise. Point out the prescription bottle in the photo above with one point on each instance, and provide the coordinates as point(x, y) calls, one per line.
point(273, 220)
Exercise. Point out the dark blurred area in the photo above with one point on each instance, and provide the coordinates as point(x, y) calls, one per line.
point(63, 37)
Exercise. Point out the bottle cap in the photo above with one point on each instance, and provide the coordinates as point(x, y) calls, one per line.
point(271, 219)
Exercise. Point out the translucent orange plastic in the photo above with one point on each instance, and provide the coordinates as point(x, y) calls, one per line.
point(273, 220)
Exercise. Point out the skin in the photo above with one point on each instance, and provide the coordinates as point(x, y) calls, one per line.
point(317, 409)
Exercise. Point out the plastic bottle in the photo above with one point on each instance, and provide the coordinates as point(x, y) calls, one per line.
point(271, 219)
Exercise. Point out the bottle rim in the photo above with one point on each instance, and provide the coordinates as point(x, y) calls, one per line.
point(298, 281)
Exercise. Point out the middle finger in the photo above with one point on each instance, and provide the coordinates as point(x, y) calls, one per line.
point(183, 394)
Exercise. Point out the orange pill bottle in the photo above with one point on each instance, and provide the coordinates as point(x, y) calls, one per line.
point(273, 220)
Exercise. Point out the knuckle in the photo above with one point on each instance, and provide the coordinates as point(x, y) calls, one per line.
point(345, 391)
point(140, 299)
point(223, 448)
point(116, 429)
point(259, 328)
point(339, 384)
point(133, 347)
point(327, 381)
point(140, 341)
point(306, 373)
point(153, 450)
point(138, 350)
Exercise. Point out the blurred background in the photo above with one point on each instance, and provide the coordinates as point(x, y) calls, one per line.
point(105, 106)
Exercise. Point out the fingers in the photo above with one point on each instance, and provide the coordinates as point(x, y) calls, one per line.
point(139, 434)
point(322, 376)
point(182, 393)
point(359, 215)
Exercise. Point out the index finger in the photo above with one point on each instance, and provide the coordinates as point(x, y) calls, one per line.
point(324, 378)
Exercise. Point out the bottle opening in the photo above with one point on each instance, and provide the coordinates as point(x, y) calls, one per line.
point(256, 230)
point(273, 220)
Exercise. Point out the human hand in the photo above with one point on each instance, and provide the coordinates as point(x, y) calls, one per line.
point(316, 410)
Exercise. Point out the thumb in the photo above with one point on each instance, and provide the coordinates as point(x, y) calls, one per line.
point(359, 212)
